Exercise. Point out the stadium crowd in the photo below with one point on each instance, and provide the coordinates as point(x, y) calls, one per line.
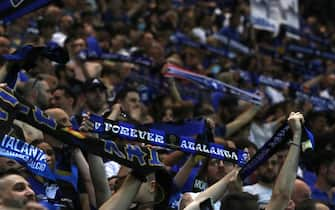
point(126, 91)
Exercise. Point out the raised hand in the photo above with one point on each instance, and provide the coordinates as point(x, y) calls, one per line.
point(295, 120)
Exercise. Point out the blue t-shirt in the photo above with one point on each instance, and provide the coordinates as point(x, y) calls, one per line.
point(323, 196)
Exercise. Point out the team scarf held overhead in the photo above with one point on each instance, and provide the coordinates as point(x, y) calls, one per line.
point(311, 37)
point(215, 85)
point(319, 103)
point(311, 51)
point(13, 9)
point(25, 57)
point(181, 39)
point(93, 55)
point(278, 140)
point(173, 136)
point(144, 159)
point(233, 44)
point(33, 158)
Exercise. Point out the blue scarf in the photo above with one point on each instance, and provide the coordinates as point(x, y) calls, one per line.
point(94, 55)
point(168, 135)
point(33, 158)
point(215, 85)
point(280, 138)
point(181, 39)
point(13, 9)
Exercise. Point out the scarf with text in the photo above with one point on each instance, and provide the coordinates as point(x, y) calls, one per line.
point(33, 158)
point(173, 136)
point(143, 159)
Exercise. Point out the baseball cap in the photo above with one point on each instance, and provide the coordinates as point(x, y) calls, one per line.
point(94, 83)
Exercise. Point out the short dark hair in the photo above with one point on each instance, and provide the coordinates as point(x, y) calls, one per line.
point(9, 172)
point(66, 89)
point(67, 92)
point(37, 142)
point(313, 115)
point(123, 93)
point(323, 158)
point(240, 201)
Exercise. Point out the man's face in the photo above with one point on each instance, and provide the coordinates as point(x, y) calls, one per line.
point(131, 102)
point(78, 45)
point(95, 99)
point(268, 172)
point(44, 95)
point(59, 100)
point(146, 195)
point(16, 191)
point(6, 164)
point(60, 116)
point(50, 154)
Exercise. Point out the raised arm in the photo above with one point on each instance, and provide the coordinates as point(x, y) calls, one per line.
point(184, 172)
point(124, 197)
point(215, 191)
point(241, 120)
point(84, 171)
point(282, 190)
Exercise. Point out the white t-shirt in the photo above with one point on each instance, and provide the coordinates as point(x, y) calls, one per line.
point(259, 134)
point(264, 193)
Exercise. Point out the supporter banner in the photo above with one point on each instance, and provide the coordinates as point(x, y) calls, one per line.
point(279, 139)
point(167, 135)
point(13, 9)
point(269, 14)
point(181, 39)
point(93, 55)
point(216, 85)
point(29, 156)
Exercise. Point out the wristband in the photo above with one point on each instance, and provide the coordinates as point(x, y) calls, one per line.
point(293, 143)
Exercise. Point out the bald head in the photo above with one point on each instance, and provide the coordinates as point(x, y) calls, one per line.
point(301, 191)
point(321, 206)
point(59, 115)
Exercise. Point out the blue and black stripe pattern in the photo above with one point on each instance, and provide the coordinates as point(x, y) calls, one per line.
point(13, 9)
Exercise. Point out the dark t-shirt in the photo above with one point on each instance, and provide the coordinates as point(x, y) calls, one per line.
point(57, 195)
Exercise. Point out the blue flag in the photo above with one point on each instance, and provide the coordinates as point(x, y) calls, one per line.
point(13, 9)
